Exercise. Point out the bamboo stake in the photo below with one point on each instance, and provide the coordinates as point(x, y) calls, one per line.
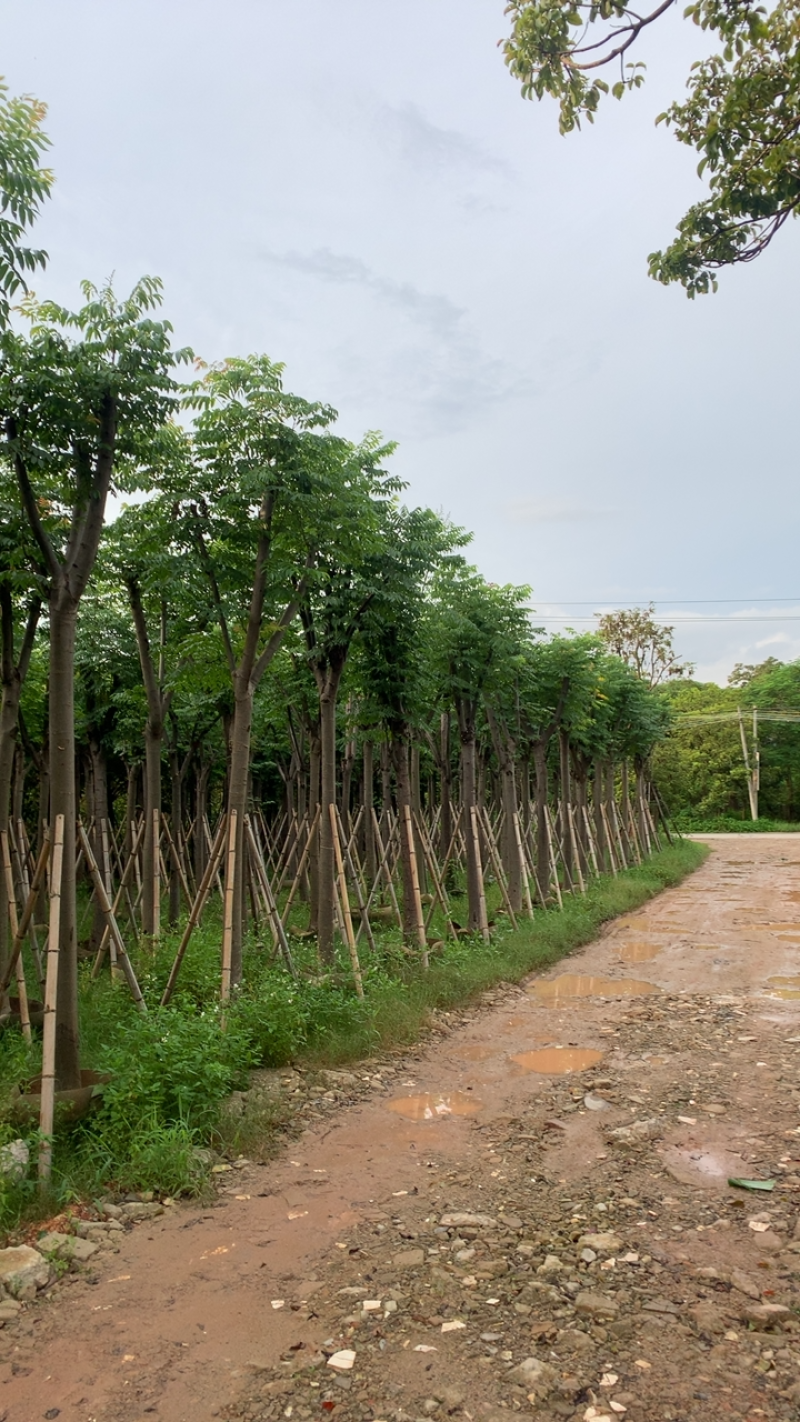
point(301, 866)
point(28, 867)
point(27, 914)
point(278, 932)
point(612, 853)
point(418, 914)
point(176, 859)
point(22, 991)
point(551, 853)
point(111, 922)
point(590, 841)
point(576, 858)
point(433, 869)
point(227, 925)
point(101, 951)
point(356, 886)
point(498, 870)
point(345, 904)
point(216, 852)
point(50, 996)
point(526, 888)
point(483, 919)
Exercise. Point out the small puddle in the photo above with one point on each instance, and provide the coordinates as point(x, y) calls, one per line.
point(475, 1052)
point(554, 1061)
point(787, 988)
point(638, 952)
point(574, 985)
point(431, 1107)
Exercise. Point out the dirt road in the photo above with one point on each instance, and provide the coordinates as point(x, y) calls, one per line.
point(530, 1215)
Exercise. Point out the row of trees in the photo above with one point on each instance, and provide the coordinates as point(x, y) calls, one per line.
point(264, 574)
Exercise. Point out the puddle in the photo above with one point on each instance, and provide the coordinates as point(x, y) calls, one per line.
point(573, 985)
point(638, 952)
point(554, 1061)
point(787, 988)
point(475, 1052)
point(431, 1107)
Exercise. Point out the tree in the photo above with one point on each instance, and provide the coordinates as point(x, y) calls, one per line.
point(742, 114)
point(23, 187)
point(646, 645)
point(81, 397)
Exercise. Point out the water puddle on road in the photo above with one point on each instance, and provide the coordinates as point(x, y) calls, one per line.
point(555, 1061)
point(787, 988)
point(569, 986)
point(475, 1052)
point(432, 1107)
point(638, 952)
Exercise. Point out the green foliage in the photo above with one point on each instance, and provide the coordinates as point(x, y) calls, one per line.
point(24, 185)
point(742, 114)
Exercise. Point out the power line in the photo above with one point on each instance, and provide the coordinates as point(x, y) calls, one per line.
point(670, 601)
point(686, 621)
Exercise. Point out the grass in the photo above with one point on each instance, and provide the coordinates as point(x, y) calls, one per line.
point(173, 1071)
point(690, 823)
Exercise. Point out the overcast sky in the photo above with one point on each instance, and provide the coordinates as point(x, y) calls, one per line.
point(356, 188)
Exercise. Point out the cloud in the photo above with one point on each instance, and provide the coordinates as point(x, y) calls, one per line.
point(424, 145)
point(554, 511)
point(430, 360)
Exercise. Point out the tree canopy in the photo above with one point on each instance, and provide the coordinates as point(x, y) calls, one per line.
point(741, 115)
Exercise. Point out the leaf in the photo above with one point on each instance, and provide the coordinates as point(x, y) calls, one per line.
point(752, 1184)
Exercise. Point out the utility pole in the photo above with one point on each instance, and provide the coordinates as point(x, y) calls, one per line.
point(752, 773)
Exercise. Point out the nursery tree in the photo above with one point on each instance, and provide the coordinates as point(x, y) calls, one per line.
point(81, 395)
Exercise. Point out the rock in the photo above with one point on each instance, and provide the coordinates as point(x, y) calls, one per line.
point(637, 1132)
point(595, 1103)
point(462, 1220)
point(67, 1246)
point(137, 1211)
point(451, 1398)
point(766, 1315)
point(343, 1360)
point(14, 1160)
point(536, 1377)
point(409, 1259)
point(23, 1270)
point(769, 1242)
point(745, 1284)
point(552, 1265)
point(707, 1318)
point(596, 1305)
point(340, 1078)
point(111, 1211)
point(510, 1221)
point(575, 1339)
point(602, 1243)
point(661, 1306)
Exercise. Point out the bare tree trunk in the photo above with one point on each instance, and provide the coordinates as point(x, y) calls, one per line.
point(404, 797)
point(446, 787)
point(63, 622)
point(368, 798)
point(200, 846)
point(176, 816)
point(386, 779)
point(314, 763)
point(416, 807)
point(566, 801)
point(540, 811)
point(327, 707)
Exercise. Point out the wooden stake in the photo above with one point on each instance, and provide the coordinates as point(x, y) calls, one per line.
point(111, 922)
point(22, 991)
point(216, 851)
point(498, 870)
point(27, 914)
point(227, 926)
point(419, 917)
point(576, 855)
point(50, 996)
point(123, 889)
point(551, 853)
point(364, 916)
point(483, 919)
point(345, 903)
point(278, 932)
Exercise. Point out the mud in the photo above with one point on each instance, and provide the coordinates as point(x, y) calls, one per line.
point(582, 1219)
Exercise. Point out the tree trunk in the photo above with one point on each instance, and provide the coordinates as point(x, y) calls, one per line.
point(200, 846)
point(9, 720)
point(98, 809)
point(176, 816)
point(566, 801)
point(540, 812)
point(468, 803)
point(153, 736)
point(314, 755)
point(368, 800)
point(327, 706)
point(400, 757)
point(63, 622)
point(599, 827)
point(416, 807)
point(241, 730)
point(446, 826)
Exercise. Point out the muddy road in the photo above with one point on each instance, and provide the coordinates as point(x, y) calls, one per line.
point(528, 1215)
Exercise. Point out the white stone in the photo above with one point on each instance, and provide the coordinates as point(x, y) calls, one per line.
point(23, 1270)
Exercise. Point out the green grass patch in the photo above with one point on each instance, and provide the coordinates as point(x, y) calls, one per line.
point(172, 1071)
point(689, 823)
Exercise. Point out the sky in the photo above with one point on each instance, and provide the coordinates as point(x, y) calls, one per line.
point(357, 189)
